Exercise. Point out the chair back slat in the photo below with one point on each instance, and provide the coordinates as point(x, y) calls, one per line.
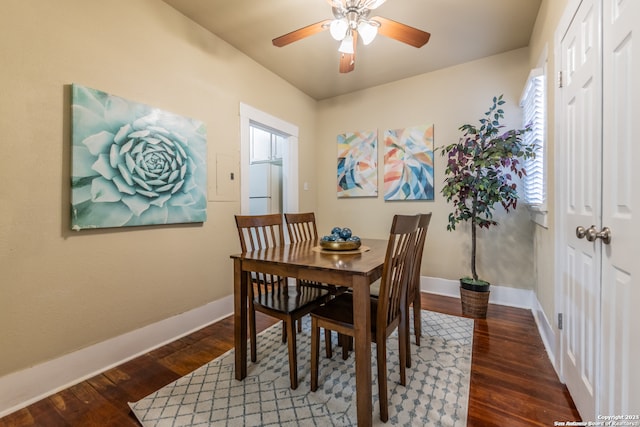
point(301, 226)
point(397, 268)
point(259, 232)
point(416, 264)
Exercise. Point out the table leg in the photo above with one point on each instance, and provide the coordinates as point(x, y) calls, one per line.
point(362, 326)
point(240, 319)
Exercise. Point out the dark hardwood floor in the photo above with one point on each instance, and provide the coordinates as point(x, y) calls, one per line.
point(512, 380)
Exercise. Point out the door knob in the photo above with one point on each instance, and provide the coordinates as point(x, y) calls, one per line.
point(581, 232)
point(592, 234)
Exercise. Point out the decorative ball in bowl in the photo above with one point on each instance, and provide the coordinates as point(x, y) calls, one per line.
point(340, 239)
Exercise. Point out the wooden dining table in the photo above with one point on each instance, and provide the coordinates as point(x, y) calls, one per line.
point(305, 261)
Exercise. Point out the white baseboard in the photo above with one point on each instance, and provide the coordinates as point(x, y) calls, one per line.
point(22, 388)
point(547, 333)
point(503, 295)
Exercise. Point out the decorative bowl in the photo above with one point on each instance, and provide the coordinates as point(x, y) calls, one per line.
point(340, 246)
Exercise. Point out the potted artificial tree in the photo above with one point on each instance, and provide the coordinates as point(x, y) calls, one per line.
point(482, 168)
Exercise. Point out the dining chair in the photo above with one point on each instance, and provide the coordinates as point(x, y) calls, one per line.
point(271, 294)
point(387, 311)
point(301, 228)
point(413, 288)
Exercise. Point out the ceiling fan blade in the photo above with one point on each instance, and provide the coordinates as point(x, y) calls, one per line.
point(372, 4)
point(348, 60)
point(402, 32)
point(301, 33)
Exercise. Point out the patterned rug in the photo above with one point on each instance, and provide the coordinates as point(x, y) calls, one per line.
point(437, 389)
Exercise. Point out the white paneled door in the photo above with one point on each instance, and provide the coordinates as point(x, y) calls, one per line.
point(619, 393)
point(582, 124)
point(600, 188)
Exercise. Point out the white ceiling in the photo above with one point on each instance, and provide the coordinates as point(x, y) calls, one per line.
point(461, 31)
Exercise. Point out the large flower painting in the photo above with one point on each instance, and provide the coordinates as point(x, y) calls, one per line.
point(133, 164)
point(357, 164)
point(408, 163)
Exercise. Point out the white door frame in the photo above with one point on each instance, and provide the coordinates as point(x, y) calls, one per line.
point(250, 114)
point(560, 189)
point(581, 259)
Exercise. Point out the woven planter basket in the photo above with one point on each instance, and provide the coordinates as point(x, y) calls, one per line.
point(474, 304)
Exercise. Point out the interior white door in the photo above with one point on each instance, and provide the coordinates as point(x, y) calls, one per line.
point(620, 391)
point(581, 205)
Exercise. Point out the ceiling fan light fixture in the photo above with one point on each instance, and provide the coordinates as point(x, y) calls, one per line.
point(351, 21)
point(347, 45)
point(367, 30)
point(338, 29)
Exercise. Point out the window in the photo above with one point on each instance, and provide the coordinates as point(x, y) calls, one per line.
point(533, 104)
point(265, 144)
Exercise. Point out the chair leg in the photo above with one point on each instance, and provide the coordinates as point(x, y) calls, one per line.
point(327, 343)
point(417, 326)
point(417, 317)
point(346, 342)
point(381, 350)
point(315, 352)
point(252, 333)
point(403, 344)
point(347, 345)
point(284, 331)
point(293, 359)
point(407, 337)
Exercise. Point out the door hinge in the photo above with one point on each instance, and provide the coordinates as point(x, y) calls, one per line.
point(560, 321)
point(560, 79)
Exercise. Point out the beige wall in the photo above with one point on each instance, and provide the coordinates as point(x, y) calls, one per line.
point(62, 290)
point(447, 99)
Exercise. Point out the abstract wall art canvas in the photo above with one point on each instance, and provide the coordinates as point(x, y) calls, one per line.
point(133, 164)
point(408, 163)
point(357, 164)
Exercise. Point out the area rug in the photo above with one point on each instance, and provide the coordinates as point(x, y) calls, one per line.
point(436, 394)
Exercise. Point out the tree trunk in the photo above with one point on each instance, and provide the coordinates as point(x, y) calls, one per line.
point(473, 243)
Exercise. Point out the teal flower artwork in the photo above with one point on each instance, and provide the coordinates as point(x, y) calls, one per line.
point(133, 164)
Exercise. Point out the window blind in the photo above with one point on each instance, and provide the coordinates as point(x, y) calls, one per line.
point(533, 104)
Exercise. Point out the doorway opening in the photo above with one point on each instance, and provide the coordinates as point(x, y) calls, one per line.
point(268, 163)
point(265, 170)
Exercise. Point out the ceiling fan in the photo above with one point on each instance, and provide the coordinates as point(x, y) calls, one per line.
point(351, 20)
